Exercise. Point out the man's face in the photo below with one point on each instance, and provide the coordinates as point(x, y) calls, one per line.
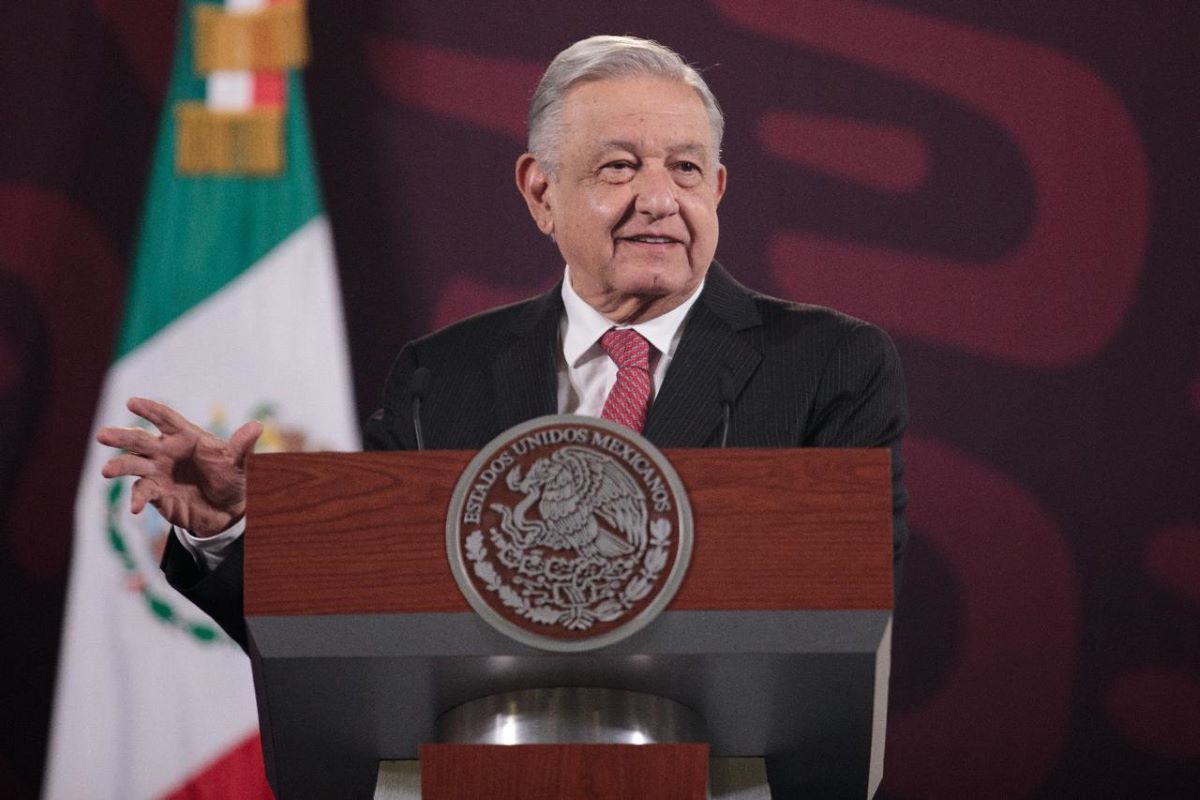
point(634, 204)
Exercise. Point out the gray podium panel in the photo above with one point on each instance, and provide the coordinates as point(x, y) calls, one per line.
point(343, 692)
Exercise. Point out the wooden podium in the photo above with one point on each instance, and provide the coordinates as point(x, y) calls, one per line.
point(778, 638)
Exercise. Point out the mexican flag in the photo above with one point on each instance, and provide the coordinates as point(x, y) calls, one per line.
point(233, 313)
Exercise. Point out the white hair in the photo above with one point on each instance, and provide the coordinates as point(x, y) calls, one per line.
point(600, 58)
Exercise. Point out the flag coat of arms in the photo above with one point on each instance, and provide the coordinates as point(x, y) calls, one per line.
point(233, 313)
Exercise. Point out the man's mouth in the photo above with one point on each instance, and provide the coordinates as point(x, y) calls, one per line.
point(648, 239)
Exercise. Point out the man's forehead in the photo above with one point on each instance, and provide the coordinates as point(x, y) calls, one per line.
point(695, 149)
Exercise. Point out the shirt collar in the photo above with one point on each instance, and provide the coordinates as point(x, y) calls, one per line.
point(585, 325)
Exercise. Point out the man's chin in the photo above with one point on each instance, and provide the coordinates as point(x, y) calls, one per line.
point(655, 280)
point(641, 302)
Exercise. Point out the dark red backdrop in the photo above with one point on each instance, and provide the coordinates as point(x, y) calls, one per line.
point(1010, 188)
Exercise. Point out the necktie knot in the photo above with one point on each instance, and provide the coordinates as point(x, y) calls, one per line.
point(627, 348)
point(629, 399)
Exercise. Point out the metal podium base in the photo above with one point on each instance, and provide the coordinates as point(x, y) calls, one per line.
point(570, 716)
point(577, 716)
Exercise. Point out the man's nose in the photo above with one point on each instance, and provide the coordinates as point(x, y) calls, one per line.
point(656, 192)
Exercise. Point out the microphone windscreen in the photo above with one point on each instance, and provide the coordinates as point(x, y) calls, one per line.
point(419, 382)
point(728, 387)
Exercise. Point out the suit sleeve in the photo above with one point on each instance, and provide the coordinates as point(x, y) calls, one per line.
point(217, 593)
point(862, 402)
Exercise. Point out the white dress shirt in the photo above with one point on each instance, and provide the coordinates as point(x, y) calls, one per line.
point(585, 377)
point(585, 372)
point(210, 551)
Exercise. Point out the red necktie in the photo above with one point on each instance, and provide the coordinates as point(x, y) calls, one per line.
point(630, 395)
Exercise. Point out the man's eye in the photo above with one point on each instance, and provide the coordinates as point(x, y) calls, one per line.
point(687, 166)
point(618, 171)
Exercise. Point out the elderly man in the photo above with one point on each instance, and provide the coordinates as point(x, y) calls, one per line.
point(624, 174)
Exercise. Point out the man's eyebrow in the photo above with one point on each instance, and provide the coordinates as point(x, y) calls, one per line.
point(692, 148)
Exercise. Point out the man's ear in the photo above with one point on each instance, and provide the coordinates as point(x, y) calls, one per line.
point(534, 183)
point(722, 178)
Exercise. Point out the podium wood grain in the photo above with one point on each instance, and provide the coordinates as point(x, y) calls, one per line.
point(564, 771)
point(341, 533)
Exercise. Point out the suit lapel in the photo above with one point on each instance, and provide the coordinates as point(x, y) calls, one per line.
point(718, 338)
point(526, 372)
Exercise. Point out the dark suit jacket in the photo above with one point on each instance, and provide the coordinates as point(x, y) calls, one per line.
point(802, 376)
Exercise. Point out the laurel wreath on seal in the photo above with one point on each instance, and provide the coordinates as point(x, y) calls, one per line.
point(608, 610)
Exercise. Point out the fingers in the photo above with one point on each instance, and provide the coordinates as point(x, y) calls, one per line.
point(135, 440)
point(145, 490)
point(128, 464)
point(165, 418)
point(243, 440)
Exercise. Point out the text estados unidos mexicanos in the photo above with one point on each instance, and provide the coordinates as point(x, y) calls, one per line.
point(660, 495)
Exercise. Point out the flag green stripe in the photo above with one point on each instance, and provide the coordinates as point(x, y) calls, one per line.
point(198, 234)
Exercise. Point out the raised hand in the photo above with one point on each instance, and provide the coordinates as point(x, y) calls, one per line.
point(195, 479)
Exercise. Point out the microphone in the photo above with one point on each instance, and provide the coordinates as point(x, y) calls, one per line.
point(728, 395)
point(417, 385)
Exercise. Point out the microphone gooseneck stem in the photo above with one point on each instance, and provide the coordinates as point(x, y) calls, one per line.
point(728, 394)
point(417, 385)
point(416, 411)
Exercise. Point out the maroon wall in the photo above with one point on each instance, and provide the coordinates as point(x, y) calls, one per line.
point(1010, 188)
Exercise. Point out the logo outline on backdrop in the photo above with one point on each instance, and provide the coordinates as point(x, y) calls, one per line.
point(606, 551)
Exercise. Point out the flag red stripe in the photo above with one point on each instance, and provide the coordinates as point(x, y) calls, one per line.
point(238, 773)
point(269, 88)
